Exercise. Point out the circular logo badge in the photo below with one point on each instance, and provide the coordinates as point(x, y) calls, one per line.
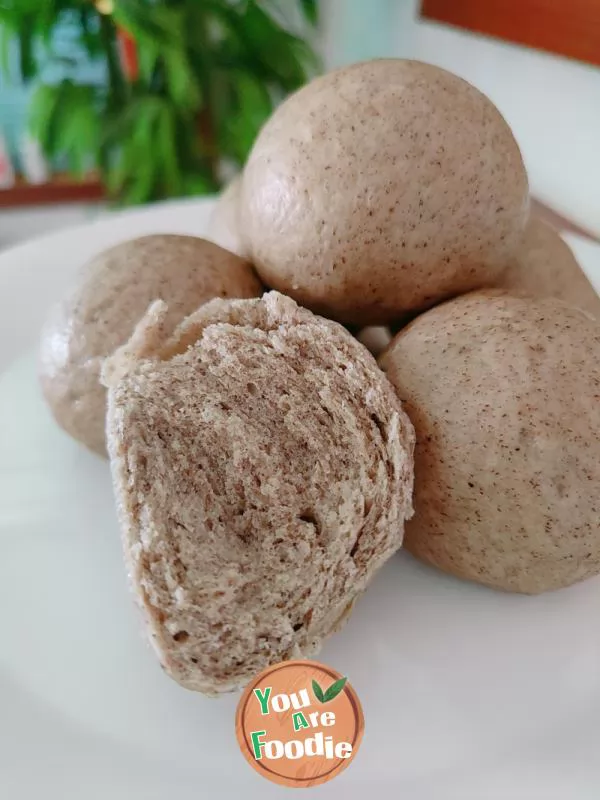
point(299, 723)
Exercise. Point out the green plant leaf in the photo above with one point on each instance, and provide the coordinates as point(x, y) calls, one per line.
point(250, 107)
point(166, 151)
point(182, 83)
point(318, 692)
point(90, 31)
point(197, 183)
point(285, 56)
point(240, 119)
point(210, 73)
point(333, 691)
point(140, 187)
point(147, 164)
point(24, 36)
point(159, 24)
point(131, 177)
point(310, 9)
point(148, 57)
point(253, 96)
point(43, 115)
point(75, 126)
point(81, 147)
point(64, 119)
point(6, 42)
point(116, 173)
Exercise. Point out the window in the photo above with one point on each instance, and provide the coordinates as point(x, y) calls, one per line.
point(570, 29)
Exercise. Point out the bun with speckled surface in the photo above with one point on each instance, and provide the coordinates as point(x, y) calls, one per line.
point(263, 470)
point(504, 396)
point(224, 223)
point(113, 292)
point(545, 267)
point(382, 188)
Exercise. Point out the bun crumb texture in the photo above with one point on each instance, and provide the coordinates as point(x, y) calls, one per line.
point(263, 470)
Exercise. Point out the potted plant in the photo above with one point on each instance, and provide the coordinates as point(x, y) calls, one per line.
point(184, 85)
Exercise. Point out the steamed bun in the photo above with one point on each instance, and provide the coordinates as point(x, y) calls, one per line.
point(113, 292)
point(382, 188)
point(504, 394)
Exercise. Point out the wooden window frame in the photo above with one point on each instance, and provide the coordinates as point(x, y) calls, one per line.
point(569, 29)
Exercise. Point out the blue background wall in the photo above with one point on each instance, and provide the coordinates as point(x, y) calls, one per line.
point(13, 109)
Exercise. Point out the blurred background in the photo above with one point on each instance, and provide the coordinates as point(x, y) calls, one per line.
point(108, 103)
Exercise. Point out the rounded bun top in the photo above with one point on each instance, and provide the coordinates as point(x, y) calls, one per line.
point(382, 188)
point(545, 266)
point(224, 223)
point(113, 291)
point(503, 392)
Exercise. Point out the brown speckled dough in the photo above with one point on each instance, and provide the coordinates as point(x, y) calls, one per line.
point(382, 188)
point(546, 267)
point(224, 224)
point(263, 470)
point(504, 394)
point(113, 292)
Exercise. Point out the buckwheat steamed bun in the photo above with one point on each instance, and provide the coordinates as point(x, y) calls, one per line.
point(263, 471)
point(545, 267)
point(112, 294)
point(382, 188)
point(504, 394)
point(224, 224)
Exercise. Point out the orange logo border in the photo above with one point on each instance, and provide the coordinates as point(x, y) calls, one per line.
point(243, 736)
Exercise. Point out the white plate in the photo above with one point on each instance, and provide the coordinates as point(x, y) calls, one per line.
point(467, 693)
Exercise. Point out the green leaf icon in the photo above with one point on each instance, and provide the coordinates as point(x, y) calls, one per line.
point(318, 692)
point(334, 690)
